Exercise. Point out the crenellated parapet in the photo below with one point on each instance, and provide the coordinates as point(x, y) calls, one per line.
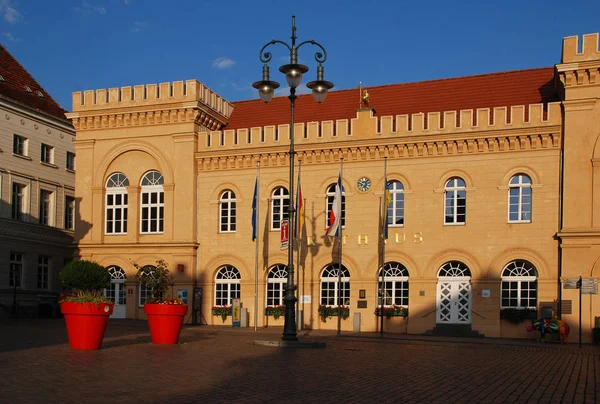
point(366, 137)
point(589, 49)
point(579, 71)
point(150, 104)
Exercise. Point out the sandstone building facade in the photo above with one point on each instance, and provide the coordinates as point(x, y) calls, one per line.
point(493, 182)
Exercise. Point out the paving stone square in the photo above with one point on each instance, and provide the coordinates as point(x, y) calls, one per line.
point(223, 365)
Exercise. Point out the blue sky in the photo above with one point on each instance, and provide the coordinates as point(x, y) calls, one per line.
point(73, 45)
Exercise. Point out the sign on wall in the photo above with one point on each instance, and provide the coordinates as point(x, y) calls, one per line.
point(285, 234)
point(236, 313)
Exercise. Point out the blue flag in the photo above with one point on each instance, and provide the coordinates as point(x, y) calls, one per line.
point(254, 207)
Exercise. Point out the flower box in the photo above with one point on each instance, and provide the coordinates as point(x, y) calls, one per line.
point(222, 311)
point(332, 311)
point(275, 311)
point(392, 311)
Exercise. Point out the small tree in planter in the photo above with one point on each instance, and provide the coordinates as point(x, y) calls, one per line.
point(165, 316)
point(86, 310)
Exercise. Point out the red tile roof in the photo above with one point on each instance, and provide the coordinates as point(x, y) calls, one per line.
point(13, 87)
point(522, 87)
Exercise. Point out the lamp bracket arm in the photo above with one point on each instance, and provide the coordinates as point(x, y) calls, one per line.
point(266, 57)
point(319, 57)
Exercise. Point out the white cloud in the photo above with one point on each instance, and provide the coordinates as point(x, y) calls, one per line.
point(139, 26)
point(126, 2)
point(9, 37)
point(87, 8)
point(223, 63)
point(8, 12)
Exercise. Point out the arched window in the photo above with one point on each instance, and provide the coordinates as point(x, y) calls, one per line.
point(116, 204)
point(519, 199)
point(395, 215)
point(330, 197)
point(330, 290)
point(519, 285)
point(454, 269)
point(396, 284)
point(145, 292)
point(455, 201)
point(153, 203)
point(276, 281)
point(227, 212)
point(279, 207)
point(227, 286)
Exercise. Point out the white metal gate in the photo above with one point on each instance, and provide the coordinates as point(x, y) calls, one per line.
point(454, 300)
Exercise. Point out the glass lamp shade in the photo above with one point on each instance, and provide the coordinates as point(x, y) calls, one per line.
point(319, 89)
point(293, 74)
point(266, 89)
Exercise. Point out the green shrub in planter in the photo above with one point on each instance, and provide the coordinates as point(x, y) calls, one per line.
point(86, 279)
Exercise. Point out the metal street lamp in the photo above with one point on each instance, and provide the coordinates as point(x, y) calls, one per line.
point(266, 88)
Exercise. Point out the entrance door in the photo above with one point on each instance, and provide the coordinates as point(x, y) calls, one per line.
point(117, 292)
point(454, 300)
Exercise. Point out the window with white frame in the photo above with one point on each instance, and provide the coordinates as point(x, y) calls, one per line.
point(117, 276)
point(519, 199)
point(455, 201)
point(395, 291)
point(15, 276)
point(454, 269)
point(330, 198)
point(20, 145)
point(227, 285)
point(116, 204)
point(153, 203)
point(395, 214)
point(519, 285)
point(43, 274)
point(276, 281)
point(70, 163)
point(227, 212)
point(279, 207)
point(18, 201)
point(47, 154)
point(145, 291)
point(69, 213)
point(331, 289)
point(45, 207)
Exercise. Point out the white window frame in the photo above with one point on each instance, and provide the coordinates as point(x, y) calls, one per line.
point(43, 272)
point(144, 291)
point(520, 183)
point(396, 189)
point(518, 271)
point(227, 212)
point(23, 202)
point(276, 281)
point(70, 161)
point(116, 186)
point(152, 187)
point(20, 145)
point(453, 187)
point(46, 207)
point(47, 154)
point(395, 273)
point(15, 262)
point(226, 277)
point(330, 195)
point(69, 212)
point(329, 275)
point(279, 207)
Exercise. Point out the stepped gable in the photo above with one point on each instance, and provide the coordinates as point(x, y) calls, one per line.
point(521, 87)
point(13, 87)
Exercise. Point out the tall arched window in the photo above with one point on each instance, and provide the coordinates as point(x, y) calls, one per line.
point(116, 291)
point(276, 281)
point(116, 204)
point(396, 284)
point(455, 201)
point(330, 197)
point(519, 199)
point(145, 291)
point(279, 207)
point(153, 203)
point(330, 290)
point(227, 212)
point(227, 285)
point(396, 208)
point(519, 285)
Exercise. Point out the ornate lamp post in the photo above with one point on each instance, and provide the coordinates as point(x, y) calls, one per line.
point(266, 88)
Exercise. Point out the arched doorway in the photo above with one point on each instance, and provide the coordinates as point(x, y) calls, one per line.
point(117, 291)
point(454, 294)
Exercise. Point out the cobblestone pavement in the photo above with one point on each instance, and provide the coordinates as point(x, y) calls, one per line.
point(218, 364)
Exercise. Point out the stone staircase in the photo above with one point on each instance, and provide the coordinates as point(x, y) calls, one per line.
point(454, 330)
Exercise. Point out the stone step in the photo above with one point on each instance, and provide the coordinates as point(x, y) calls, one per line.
point(454, 330)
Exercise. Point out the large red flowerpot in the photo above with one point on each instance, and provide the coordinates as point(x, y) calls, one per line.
point(165, 321)
point(86, 323)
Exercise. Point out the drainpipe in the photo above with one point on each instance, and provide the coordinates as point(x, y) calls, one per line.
point(560, 210)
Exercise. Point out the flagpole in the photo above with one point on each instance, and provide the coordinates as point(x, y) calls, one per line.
point(256, 248)
point(340, 238)
point(299, 245)
point(385, 218)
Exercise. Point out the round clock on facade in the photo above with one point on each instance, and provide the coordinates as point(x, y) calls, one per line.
point(363, 184)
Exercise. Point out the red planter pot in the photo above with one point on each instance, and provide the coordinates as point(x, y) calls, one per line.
point(165, 321)
point(86, 323)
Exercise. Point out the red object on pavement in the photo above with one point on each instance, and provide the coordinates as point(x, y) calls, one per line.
point(86, 323)
point(165, 321)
